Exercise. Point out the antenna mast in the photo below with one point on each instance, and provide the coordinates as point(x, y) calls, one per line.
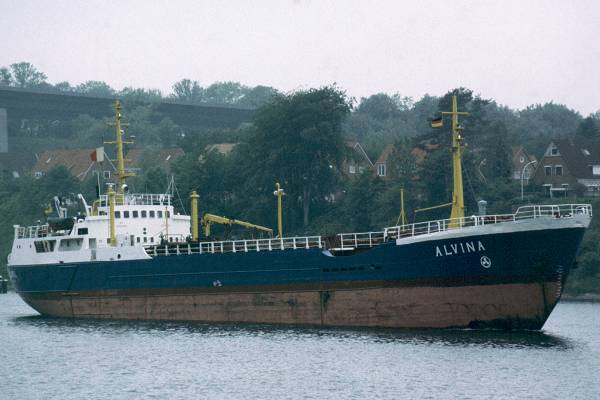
point(458, 201)
point(121, 174)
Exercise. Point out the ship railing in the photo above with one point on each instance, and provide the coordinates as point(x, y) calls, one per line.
point(35, 231)
point(349, 241)
point(144, 199)
point(237, 246)
point(522, 213)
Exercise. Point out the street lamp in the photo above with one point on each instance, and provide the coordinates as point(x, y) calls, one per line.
point(523, 174)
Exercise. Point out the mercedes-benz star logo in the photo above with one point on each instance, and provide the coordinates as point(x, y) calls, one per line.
point(485, 261)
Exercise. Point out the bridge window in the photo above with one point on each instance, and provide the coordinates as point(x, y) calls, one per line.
point(70, 244)
point(82, 231)
point(44, 246)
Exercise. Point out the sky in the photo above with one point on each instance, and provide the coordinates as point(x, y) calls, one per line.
point(515, 52)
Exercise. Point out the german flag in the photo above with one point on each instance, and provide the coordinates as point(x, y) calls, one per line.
point(437, 122)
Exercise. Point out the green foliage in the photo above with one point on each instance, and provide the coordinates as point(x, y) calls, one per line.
point(25, 75)
point(589, 128)
point(297, 141)
point(95, 88)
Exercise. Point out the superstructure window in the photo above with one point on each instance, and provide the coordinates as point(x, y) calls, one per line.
point(134, 214)
point(117, 214)
point(595, 169)
point(125, 214)
point(151, 214)
point(82, 231)
point(144, 214)
point(159, 214)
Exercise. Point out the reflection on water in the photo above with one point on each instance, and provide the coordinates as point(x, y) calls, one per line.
point(459, 338)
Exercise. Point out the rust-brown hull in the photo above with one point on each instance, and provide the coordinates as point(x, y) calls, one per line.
point(506, 306)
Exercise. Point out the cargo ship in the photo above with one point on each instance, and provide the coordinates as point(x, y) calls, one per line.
point(133, 257)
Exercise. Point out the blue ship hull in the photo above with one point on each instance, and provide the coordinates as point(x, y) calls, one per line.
point(501, 280)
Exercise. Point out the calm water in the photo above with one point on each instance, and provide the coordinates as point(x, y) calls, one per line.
point(44, 358)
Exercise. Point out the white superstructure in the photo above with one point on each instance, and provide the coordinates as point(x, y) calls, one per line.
point(140, 220)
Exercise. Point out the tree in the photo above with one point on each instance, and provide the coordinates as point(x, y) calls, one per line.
point(588, 128)
point(6, 78)
point(95, 88)
point(298, 142)
point(379, 106)
point(140, 95)
point(225, 93)
point(188, 90)
point(26, 75)
point(257, 96)
point(64, 87)
point(498, 153)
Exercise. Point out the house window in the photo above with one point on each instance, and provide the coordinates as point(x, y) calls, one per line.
point(38, 174)
point(106, 174)
point(352, 169)
point(381, 169)
point(548, 170)
point(596, 169)
point(558, 170)
point(554, 151)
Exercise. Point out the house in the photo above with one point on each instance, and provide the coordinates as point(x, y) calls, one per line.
point(221, 148)
point(162, 158)
point(382, 165)
point(567, 164)
point(356, 160)
point(77, 161)
point(385, 169)
point(522, 164)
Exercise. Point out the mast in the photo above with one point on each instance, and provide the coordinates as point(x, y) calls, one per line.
point(458, 201)
point(121, 174)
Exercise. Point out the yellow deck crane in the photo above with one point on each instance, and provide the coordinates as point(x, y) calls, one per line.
point(209, 219)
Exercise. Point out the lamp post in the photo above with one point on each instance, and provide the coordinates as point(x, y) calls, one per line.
point(523, 174)
point(279, 193)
